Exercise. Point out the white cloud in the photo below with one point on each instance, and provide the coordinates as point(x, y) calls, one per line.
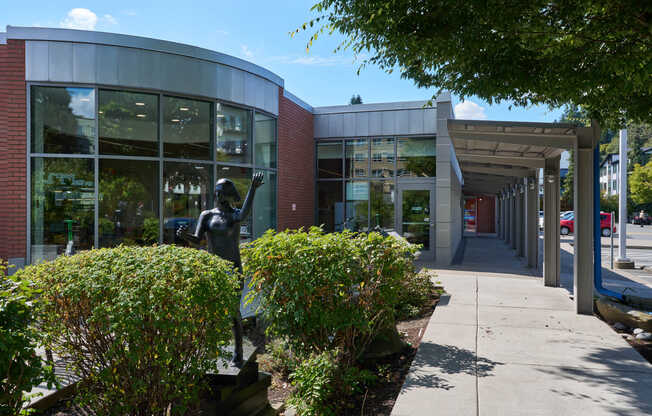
point(110, 19)
point(468, 110)
point(79, 18)
point(317, 60)
point(246, 51)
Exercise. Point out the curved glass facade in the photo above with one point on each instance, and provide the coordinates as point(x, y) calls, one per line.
point(113, 167)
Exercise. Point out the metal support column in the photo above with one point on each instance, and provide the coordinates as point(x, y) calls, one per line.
point(584, 225)
point(499, 217)
point(531, 221)
point(519, 219)
point(513, 215)
point(551, 195)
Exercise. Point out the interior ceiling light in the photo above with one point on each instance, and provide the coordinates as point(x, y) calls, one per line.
point(183, 108)
point(175, 120)
point(85, 100)
point(141, 115)
point(140, 104)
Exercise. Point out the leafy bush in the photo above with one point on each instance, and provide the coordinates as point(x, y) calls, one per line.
point(21, 368)
point(140, 325)
point(279, 358)
point(417, 291)
point(327, 291)
point(322, 385)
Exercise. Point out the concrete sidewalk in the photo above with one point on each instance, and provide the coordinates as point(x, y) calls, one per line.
point(502, 344)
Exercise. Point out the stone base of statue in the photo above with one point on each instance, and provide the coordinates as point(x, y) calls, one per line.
point(238, 390)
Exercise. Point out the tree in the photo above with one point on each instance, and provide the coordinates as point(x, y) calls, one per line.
point(640, 184)
point(592, 53)
point(355, 99)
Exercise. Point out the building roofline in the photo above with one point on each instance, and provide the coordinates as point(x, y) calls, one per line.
point(137, 42)
point(361, 108)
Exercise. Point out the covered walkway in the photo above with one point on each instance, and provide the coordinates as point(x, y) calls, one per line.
point(502, 344)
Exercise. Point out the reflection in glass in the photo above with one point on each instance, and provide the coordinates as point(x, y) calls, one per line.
point(357, 157)
point(265, 141)
point(241, 177)
point(264, 213)
point(128, 123)
point(330, 206)
point(382, 157)
point(233, 134)
point(128, 202)
point(187, 191)
point(382, 205)
point(186, 128)
point(329, 159)
point(416, 217)
point(63, 120)
point(416, 157)
point(62, 202)
point(357, 206)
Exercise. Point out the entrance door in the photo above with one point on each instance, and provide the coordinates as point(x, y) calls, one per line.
point(416, 216)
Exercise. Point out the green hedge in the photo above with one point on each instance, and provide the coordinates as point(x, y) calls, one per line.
point(141, 325)
point(327, 291)
point(21, 368)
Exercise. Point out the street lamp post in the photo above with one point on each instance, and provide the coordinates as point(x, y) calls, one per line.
point(622, 262)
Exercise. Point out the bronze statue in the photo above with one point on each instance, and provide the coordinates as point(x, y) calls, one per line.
point(221, 225)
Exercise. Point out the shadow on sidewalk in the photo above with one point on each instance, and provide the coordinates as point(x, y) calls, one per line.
point(629, 387)
point(434, 361)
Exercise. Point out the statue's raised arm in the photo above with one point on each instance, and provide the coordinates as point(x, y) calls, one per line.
point(256, 182)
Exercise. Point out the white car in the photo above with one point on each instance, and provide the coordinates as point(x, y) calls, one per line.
point(540, 220)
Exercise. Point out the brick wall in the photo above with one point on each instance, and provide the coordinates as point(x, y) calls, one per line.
point(296, 159)
point(13, 167)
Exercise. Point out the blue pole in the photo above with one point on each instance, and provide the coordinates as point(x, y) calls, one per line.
point(597, 232)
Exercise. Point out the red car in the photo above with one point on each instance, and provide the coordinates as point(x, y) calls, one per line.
point(566, 225)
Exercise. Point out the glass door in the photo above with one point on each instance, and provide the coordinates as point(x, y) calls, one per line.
point(416, 216)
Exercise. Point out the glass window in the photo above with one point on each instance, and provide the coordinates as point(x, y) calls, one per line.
point(233, 134)
point(382, 205)
point(357, 206)
point(330, 205)
point(265, 141)
point(329, 159)
point(357, 156)
point(416, 157)
point(128, 202)
point(241, 177)
point(63, 120)
point(186, 128)
point(128, 123)
point(187, 191)
point(382, 161)
point(264, 213)
point(62, 206)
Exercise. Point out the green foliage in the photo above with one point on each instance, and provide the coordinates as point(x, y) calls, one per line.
point(417, 291)
point(140, 325)
point(322, 385)
point(279, 358)
point(355, 99)
point(590, 53)
point(21, 368)
point(609, 203)
point(640, 184)
point(327, 291)
point(150, 230)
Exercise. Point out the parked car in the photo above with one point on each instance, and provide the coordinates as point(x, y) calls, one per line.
point(642, 218)
point(540, 220)
point(567, 224)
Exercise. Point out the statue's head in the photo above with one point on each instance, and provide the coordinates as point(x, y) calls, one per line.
point(225, 191)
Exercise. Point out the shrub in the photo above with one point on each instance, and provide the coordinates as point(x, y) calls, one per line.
point(322, 385)
point(327, 291)
point(417, 291)
point(279, 358)
point(21, 368)
point(140, 325)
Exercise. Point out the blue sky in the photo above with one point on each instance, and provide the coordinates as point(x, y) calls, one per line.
point(257, 31)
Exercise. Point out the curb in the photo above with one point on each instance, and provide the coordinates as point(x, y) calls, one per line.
point(629, 247)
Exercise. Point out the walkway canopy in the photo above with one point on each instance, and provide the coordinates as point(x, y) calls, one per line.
point(504, 158)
